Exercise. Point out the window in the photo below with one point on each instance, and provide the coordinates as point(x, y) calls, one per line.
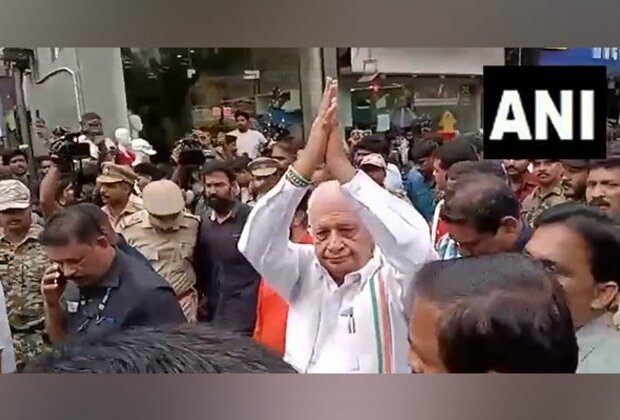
point(177, 89)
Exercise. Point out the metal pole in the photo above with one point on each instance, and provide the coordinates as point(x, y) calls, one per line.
point(24, 126)
point(77, 89)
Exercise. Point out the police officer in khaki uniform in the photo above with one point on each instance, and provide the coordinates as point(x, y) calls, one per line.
point(116, 185)
point(22, 263)
point(265, 175)
point(166, 234)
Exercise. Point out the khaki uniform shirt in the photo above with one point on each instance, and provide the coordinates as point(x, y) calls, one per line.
point(536, 203)
point(21, 268)
point(134, 205)
point(170, 252)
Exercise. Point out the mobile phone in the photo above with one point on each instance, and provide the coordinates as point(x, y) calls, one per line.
point(61, 280)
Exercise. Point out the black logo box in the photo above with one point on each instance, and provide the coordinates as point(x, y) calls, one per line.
point(528, 79)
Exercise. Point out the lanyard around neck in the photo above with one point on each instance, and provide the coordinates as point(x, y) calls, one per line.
point(97, 316)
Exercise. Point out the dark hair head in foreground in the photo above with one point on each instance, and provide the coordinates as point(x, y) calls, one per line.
point(500, 313)
point(482, 215)
point(454, 151)
point(72, 224)
point(189, 348)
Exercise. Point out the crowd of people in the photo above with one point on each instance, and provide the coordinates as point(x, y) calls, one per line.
point(330, 255)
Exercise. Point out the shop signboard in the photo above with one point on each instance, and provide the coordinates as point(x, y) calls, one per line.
point(251, 75)
point(608, 57)
point(222, 111)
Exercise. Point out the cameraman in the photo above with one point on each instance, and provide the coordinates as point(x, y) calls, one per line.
point(92, 134)
point(72, 177)
point(189, 155)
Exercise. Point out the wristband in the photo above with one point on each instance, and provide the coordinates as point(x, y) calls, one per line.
point(296, 179)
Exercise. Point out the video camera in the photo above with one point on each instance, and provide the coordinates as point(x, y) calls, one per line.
point(67, 153)
point(66, 147)
point(191, 151)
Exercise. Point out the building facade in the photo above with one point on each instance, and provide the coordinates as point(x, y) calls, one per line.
point(66, 82)
point(174, 90)
point(376, 82)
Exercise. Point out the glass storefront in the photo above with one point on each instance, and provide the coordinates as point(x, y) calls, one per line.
point(386, 101)
point(175, 90)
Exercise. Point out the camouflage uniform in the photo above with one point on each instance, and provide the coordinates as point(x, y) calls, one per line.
point(537, 202)
point(21, 268)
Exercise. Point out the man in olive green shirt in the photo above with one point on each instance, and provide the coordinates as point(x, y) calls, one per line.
point(549, 191)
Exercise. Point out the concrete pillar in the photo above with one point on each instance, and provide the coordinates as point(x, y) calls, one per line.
point(330, 69)
point(330, 62)
point(311, 84)
point(103, 86)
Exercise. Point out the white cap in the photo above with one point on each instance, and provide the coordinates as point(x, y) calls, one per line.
point(143, 146)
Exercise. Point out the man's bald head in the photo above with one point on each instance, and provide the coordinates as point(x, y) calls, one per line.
point(326, 198)
point(342, 242)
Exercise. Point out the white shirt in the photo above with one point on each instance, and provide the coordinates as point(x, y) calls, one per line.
point(393, 178)
point(435, 222)
point(6, 340)
point(598, 343)
point(248, 142)
point(94, 149)
point(359, 327)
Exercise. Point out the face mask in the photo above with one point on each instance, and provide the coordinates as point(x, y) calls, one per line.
point(167, 223)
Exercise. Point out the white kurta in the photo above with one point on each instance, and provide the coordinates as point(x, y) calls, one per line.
point(359, 327)
point(6, 340)
point(435, 222)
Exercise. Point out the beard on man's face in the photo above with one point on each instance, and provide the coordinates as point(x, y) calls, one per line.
point(220, 204)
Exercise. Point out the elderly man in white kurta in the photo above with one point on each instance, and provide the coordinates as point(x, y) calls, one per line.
point(345, 293)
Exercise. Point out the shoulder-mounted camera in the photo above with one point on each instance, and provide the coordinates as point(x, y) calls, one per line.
point(65, 148)
point(191, 151)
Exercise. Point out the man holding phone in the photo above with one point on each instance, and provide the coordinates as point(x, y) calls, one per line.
point(116, 291)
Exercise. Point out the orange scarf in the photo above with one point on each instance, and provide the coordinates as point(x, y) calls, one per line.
point(271, 316)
